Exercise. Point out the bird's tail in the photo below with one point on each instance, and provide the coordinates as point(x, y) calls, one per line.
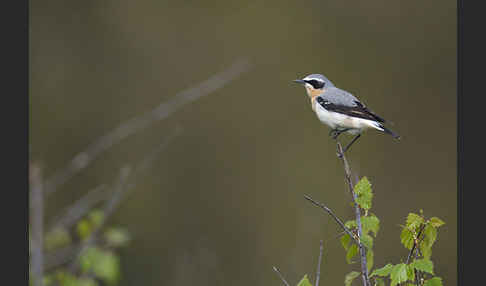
point(388, 131)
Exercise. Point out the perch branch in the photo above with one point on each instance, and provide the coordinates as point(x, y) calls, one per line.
point(137, 123)
point(362, 250)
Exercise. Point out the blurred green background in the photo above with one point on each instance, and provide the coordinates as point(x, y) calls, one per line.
point(224, 202)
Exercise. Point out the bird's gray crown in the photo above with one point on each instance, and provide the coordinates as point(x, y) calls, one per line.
point(320, 78)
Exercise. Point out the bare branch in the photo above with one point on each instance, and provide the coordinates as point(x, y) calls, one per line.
point(362, 250)
point(60, 256)
point(318, 272)
point(281, 276)
point(347, 230)
point(127, 128)
point(71, 214)
point(37, 221)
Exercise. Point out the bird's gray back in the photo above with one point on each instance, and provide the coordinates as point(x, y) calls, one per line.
point(338, 96)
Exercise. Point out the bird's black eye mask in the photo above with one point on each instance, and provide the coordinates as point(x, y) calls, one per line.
point(315, 83)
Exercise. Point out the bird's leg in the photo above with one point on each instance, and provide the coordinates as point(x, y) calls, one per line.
point(350, 143)
point(338, 132)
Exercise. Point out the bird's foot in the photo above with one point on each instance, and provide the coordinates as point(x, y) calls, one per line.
point(334, 133)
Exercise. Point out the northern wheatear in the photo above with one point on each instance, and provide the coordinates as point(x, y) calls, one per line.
point(340, 110)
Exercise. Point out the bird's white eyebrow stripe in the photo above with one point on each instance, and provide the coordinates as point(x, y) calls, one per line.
point(313, 78)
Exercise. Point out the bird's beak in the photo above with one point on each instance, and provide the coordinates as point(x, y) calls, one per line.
point(299, 81)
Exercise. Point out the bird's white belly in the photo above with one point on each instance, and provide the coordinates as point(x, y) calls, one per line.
point(341, 121)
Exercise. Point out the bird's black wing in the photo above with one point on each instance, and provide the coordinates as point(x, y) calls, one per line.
point(354, 109)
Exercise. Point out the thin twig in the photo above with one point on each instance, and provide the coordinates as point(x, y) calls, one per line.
point(60, 256)
point(347, 230)
point(101, 144)
point(71, 214)
point(415, 244)
point(37, 221)
point(362, 250)
point(318, 272)
point(281, 276)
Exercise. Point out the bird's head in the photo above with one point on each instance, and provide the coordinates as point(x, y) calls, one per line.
point(314, 84)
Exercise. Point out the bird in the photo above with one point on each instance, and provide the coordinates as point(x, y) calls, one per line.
point(340, 110)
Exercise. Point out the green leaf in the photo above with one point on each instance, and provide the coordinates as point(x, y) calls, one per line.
point(369, 259)
point(384, 271)
point(424, 265)
point(370, 223)
point(87, 259)
point(436, 222)
point(425, 246)
point(352, 251)
point(414, 221)
point(363, 193)
point(350, 224)
point(104, 264)
point(56, 238)
point(107, 267)
point(406, 237)
point(116, 237)
point(367, 241)
point(83, 228)
point(345, 240)
point(398, 274)
point(436, 281)
point(410, 272)
point(379, 282)
point(304, 281)
point(348, 279)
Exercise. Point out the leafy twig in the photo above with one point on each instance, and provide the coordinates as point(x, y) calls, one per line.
point(120, 189)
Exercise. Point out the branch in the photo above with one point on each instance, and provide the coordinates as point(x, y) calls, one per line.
point(137, 123)
point(37, 221)
point(362, 250)
point(71, 214)
point(347, 230)
point(318, 272)
point(415, 244)
point(281, 276)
